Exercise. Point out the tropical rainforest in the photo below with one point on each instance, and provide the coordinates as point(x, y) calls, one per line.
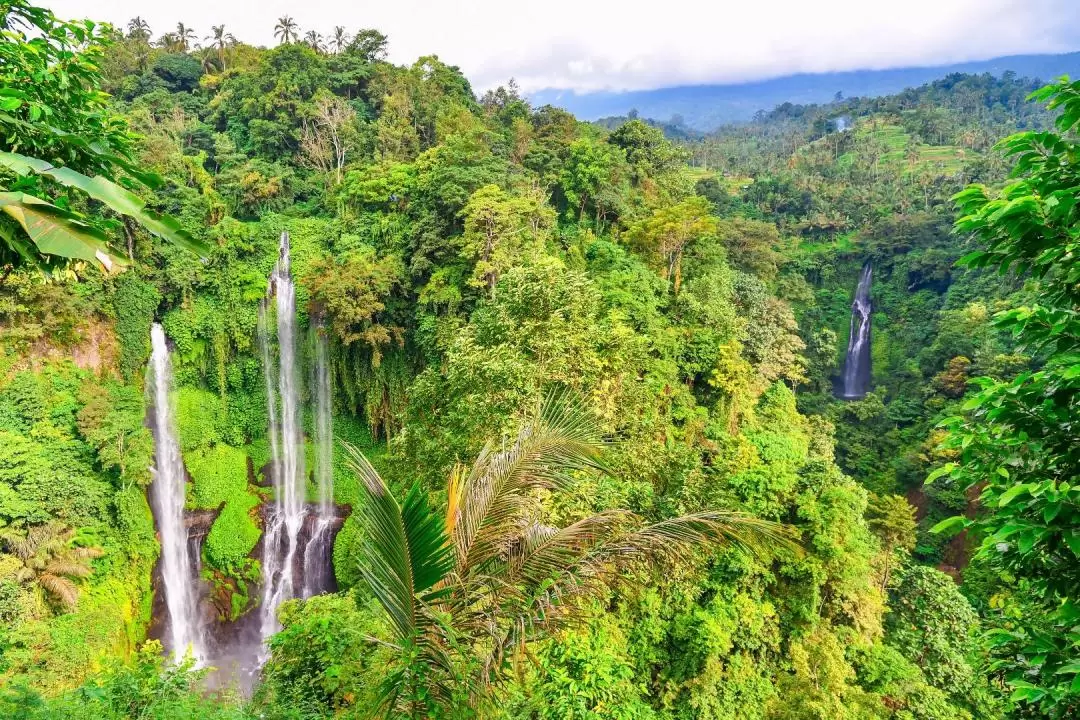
point(590, 457)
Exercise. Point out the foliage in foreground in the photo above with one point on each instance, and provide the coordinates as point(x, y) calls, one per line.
point(468, 595)
point(1017, 441)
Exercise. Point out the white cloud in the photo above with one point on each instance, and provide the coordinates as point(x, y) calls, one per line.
point(631, 44)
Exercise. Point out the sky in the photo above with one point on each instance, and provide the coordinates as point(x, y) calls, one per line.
point(587, 45)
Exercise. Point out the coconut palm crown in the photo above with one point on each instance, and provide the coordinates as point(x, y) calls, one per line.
point(466, 592)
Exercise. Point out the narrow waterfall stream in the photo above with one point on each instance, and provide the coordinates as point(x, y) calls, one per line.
point(286, 515)
point(178, 562)
point(318, 564)
point(857, 363)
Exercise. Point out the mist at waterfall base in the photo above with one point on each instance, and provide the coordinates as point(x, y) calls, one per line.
point(295, 550)
point(855, 382)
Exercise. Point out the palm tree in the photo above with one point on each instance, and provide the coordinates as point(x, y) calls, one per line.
point(340, 41)
point(138, 28)
point(286, 29)
point(314, 41)
point(209, 60)
point(184, 36)
point(221, 40)
point(465, 594)
point(49, 560)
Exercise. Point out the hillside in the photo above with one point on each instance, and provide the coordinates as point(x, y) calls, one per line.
point(332, 389)
point(706, 107)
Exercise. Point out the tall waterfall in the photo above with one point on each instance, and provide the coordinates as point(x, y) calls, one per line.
point(286, 516)
point(317, 554)
point(857, 363)
point(178, 567)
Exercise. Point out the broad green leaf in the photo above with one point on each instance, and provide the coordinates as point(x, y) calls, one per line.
point(1073, 541)
point(950, 526)
point(57, 232)
point(945, 469)
point(111, 194)
point(1012, 493)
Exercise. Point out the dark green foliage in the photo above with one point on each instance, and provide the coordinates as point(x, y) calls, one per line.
point(135, 303)
point(464, 257)
point(1015, 441)
point(179, 73)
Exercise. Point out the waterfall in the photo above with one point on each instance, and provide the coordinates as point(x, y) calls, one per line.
point(178, 560)
point(317, 554)
point(857, 363)
point(286, 515)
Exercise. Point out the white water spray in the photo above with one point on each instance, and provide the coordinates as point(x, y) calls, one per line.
point(317, 560)
point(178, 568)
point(286, 515)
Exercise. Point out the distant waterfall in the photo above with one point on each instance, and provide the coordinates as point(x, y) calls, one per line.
point(318, 568)
point(857, 363)
point(286, 516)
point(178, 560)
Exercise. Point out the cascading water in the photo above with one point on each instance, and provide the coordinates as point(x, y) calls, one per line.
point(317, 560)
point(178, 560)
point(286, 515)
point(857, 364)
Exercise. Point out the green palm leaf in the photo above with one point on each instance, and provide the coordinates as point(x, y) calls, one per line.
point(405, 548)
point(561, 439)
point(582, 562)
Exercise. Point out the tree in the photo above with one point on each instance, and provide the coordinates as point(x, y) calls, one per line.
point(49, 560)
point(1016, 441)
point(286, 30)
point(314, 41)
point(326, 136)
point(184, 37)
point(351, 292)
point(935, 627)
point(138, 28)
point(664, 237)
point(498, 229)
point(649, 153)
point(892, 520)
point(340, 40)
point(369, 44)
point(221, 40)
point(466, 594)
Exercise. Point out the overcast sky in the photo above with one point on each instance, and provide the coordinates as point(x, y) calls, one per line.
point(629, 44)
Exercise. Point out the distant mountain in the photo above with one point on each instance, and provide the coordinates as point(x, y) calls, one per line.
point(704, 107)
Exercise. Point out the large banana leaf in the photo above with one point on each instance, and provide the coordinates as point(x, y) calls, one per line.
point(149, 179)
point(55, 231)
point(106, 191)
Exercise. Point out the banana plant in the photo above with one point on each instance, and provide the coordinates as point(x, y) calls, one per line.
point(43, 228)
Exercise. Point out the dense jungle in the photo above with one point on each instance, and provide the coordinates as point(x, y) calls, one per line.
point(332, 388)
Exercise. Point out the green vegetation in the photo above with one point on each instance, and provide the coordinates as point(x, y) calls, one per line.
point(627, 554)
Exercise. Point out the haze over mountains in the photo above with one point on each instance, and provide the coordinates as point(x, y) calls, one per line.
point(705, 107)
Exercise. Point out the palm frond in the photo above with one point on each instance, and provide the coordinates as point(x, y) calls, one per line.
point(68, 568)
point(673, 539)
point(562, 438)
point(405, 551)
point(87, 553)
point(557, 591)
point(544, 552)
point(455, 486)
point(61, 589)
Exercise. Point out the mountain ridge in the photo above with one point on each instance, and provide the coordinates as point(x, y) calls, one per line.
point(706, 107)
